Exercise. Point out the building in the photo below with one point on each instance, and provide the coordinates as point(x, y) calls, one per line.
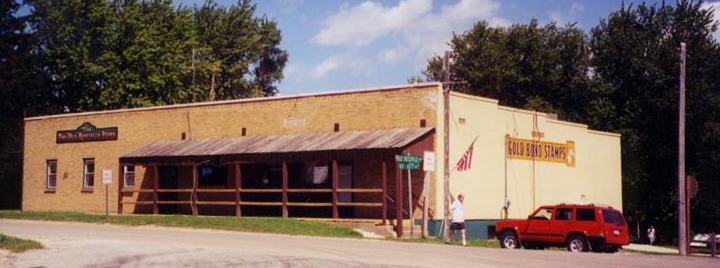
point(329, 155)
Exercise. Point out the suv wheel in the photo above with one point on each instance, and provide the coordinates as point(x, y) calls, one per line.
point(577, 243)
point(508, 239)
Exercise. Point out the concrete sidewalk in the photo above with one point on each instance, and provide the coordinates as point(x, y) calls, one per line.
point(651, 248)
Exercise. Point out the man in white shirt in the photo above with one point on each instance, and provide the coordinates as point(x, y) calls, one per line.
point(458, 219)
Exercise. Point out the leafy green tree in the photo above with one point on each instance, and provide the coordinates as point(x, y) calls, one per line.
point(238, 55)
point(19, 96)
point(105, 54)
point(636, 64)
point(526, 65)
point(151, 54)
point(75, 37)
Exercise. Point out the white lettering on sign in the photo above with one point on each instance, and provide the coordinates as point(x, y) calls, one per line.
point(294, 122)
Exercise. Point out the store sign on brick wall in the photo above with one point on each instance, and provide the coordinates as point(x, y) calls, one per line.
point(87, 132)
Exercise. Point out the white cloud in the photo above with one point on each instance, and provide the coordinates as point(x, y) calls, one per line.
point(576, 8)
point(392, 55)
point(328, 65)
point(412, 28)
point(366, 22)
point(715, 7)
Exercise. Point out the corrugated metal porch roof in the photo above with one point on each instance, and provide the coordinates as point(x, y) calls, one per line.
point(330, 141)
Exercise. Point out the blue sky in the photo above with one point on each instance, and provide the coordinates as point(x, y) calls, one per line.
point(353, 44)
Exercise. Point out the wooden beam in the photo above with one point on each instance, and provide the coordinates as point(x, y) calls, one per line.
point(121, 182)
point(156, 185)
point(398, 202)
point(238, 184)
point(334, 189)
point(384, 192)
point(194, 192)
point(284, 189)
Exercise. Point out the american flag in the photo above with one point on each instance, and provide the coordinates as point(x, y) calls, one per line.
point(466, 160)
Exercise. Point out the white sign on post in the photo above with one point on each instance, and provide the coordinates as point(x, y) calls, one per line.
point(107, 176)
point(429, 161)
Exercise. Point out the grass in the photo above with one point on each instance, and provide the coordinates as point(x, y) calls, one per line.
point(15, 244)
point(245, 224)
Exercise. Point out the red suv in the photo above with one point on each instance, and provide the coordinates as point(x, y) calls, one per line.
point(579, 227)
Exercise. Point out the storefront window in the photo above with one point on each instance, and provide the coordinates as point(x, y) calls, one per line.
point(212, 175)
point(89, 173)
point(129, 172)
point(51, 174)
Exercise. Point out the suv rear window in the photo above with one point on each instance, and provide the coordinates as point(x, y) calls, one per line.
point(585, 214)
point(613, 216)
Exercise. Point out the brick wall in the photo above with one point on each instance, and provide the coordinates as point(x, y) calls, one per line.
point(401, 107)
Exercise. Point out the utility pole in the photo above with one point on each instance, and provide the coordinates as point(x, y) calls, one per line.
point(446, 134)
point(682, 215)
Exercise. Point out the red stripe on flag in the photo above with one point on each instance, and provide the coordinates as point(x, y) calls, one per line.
point(466, 160)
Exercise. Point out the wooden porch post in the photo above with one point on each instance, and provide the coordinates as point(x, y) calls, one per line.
point(156, 185)
point(398, 202)
point(121, 182)
point(334, 189)
point(194, 192)
point(284, 189)
point(238, 181)
point(384, 192)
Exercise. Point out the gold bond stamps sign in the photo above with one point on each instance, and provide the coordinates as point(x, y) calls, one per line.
point(540, 150)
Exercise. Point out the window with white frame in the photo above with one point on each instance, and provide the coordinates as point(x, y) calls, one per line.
point(51, 174)
point(129, 172)
point(89, 173)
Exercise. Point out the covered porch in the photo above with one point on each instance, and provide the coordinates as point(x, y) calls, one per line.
point(336, 175)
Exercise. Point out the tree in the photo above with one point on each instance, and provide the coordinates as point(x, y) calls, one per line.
point(239, 55)
point(635, 60)
point(526, 66)
point(75, 38)
point(20, 94)
point(151, 54)
point(129, 53)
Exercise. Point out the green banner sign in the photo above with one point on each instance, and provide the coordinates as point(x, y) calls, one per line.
point(408, 162)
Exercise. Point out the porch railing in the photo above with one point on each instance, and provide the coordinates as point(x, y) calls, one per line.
point(238, 200)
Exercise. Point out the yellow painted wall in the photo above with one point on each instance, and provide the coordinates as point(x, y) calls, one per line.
point(596, 178)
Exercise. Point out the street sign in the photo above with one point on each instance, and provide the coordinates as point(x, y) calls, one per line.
point(107, 176)
point(408, 162)
point(429, 161)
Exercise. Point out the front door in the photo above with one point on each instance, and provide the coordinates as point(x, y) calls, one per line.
point(560, 224)
point(539, 224)
point(169, 177)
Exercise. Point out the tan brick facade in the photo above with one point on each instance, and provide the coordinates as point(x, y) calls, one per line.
point(400, 107)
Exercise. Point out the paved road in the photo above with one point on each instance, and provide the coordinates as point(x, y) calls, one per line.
point(94, 245)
